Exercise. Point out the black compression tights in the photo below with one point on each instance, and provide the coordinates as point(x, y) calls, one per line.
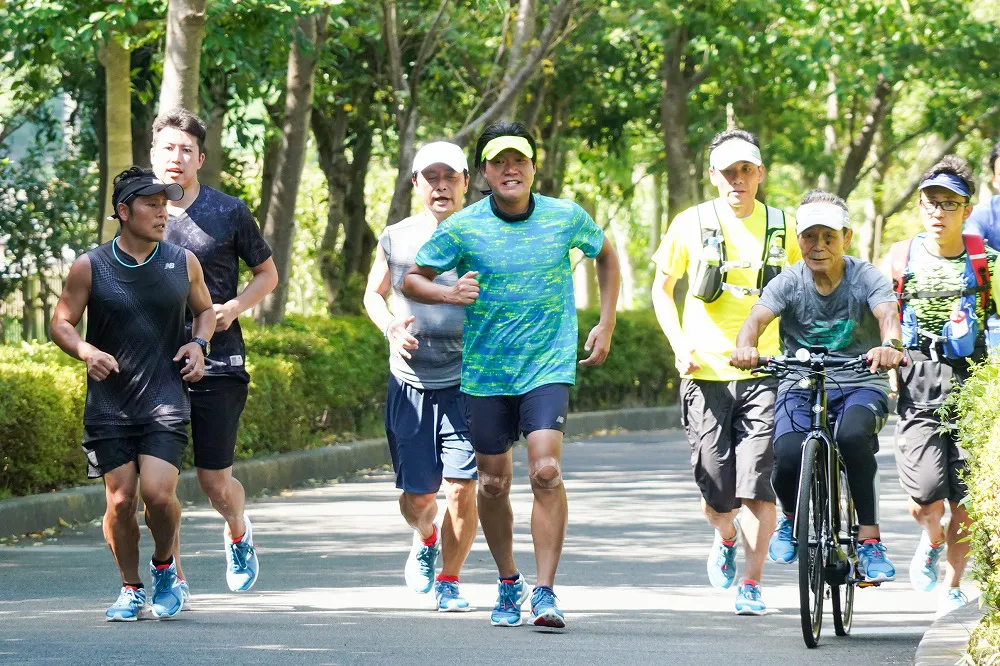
point(857, 439)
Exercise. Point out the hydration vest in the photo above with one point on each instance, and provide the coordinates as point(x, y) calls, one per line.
point(977, 272)
point(710, 277)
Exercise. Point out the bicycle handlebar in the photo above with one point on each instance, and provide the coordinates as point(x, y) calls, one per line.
point(816, 361)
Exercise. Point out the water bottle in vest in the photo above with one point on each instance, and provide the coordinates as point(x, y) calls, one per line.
point(707, 283)
point(960, 334)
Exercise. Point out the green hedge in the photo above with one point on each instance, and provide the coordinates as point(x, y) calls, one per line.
point(314, 381)
point(978, 407)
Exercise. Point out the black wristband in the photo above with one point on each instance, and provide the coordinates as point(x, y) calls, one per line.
point(204, 345)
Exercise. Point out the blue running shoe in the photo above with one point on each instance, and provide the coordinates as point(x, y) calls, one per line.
point(544, 612)
point(166, 600)
point(874, 563)
point(781, 549)
point(129, 605)
point(954, 600)
point(419, 571)
point(722, 560)
point(510, 596)
point(924, 565)
point(748, 601)
point(185, 595)
point(448, 598)
point(242, 566)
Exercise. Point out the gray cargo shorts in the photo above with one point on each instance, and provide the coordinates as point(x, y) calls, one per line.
point(729, 426)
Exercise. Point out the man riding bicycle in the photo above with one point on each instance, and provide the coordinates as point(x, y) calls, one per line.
point(847, 306)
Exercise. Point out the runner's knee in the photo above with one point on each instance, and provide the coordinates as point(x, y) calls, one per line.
point(545, 473)
point(123, 502)
point(494, 486)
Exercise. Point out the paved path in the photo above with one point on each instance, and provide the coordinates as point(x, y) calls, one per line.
point(632, 583)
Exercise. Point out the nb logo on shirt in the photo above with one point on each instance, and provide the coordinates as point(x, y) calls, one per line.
point(168, 266)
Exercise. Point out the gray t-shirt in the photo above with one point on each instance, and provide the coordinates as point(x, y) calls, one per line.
point(437, 363)
point(841, 321)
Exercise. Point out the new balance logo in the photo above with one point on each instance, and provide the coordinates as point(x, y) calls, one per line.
point(560, 419)
point(168, 266)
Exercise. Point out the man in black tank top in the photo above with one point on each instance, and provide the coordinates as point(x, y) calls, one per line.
point(136, 290)
point(220, 231)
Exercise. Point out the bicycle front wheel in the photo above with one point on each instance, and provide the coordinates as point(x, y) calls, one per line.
point(810, 517)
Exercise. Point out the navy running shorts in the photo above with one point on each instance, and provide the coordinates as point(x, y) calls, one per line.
point(496, 421)
point(108, 447)
point(217, 401)
point(428, 436)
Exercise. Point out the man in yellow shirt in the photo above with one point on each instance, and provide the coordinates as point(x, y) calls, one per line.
point(729, 247)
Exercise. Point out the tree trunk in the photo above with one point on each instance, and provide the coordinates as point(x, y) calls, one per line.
point(215, 159)
point(524, 32)
point(674, 125)
point(331, 133)
point(272, 151)
point(100, 124)
point(142, 114)
point(825, 181)
point(400, 206)
point(879, 106)
point(552, 142)
point(279, 228)
point(118, 124)
point(182, 55)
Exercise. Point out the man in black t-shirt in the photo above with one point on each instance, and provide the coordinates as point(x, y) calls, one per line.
point(136, 291)
point(220, 231)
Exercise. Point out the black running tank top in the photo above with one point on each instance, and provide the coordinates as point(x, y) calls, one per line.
point(136, 314)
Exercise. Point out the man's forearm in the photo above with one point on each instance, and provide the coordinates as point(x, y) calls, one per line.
point(377, 310)
point(260, 285)
point(203, 325)
point(419, 289)
point(68, 339)
point(669, 320)
point(609, 281)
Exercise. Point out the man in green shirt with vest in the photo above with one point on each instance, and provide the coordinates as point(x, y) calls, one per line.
point(729, 247)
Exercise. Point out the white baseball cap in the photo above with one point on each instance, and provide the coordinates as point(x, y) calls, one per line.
point(822, 214)
point(732, 151)
point(440, 152)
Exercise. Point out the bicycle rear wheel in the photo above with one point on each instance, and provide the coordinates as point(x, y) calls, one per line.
point(842, 596)
point(810, 518)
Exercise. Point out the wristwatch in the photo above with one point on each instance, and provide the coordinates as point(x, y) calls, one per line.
point(895, 343)
point(204, 345)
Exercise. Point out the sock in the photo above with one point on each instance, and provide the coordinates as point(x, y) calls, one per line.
point(868, 541)
point(935, 545)
point(513, 579)
point(239, 539)
point(750, 581)
point(433, 539)
point(447, 579)
point(163, 565)
point(132, 587)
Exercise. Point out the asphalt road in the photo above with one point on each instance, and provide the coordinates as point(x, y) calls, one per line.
point(632, 583)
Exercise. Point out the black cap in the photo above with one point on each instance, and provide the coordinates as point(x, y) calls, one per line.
point(146, 184)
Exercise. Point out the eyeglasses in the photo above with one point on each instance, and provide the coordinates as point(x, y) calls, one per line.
point(947, 206)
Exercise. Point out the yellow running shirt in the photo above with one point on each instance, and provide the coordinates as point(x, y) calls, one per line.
point(712, 327)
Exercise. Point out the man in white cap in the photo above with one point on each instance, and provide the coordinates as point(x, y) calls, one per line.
point(425, 419)
point(729, 247)
point(846, 305)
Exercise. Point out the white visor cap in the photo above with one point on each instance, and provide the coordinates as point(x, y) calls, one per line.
point(822, 214)
point(440, 152)
point(732, 151)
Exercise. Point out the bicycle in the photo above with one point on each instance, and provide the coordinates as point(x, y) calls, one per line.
point(826, 523)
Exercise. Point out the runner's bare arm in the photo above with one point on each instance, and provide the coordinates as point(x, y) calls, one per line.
point(609, 280)
point(68, 312)
point(263, 282)
point(745, 356)
point(670, 323)
point(395, 331)
point(200, 302)
point(419, 286)
point(886, 358)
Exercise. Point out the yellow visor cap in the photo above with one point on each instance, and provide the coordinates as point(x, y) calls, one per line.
point(502, 143)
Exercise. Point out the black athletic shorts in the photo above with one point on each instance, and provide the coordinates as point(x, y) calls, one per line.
point(109, 447)
point(495, 421)
point(217, 401)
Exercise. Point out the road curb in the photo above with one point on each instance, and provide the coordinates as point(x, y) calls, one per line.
point(947, 639)
point(25, 515)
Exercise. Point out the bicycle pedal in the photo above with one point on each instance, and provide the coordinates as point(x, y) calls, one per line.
point(866, 583)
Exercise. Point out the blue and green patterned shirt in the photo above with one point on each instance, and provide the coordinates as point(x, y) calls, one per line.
point(521, 333)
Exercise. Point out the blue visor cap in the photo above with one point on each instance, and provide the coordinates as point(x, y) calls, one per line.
point(947, 181)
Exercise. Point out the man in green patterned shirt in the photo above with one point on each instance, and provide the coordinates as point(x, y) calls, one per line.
point(943, 281)
point(519, 346)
